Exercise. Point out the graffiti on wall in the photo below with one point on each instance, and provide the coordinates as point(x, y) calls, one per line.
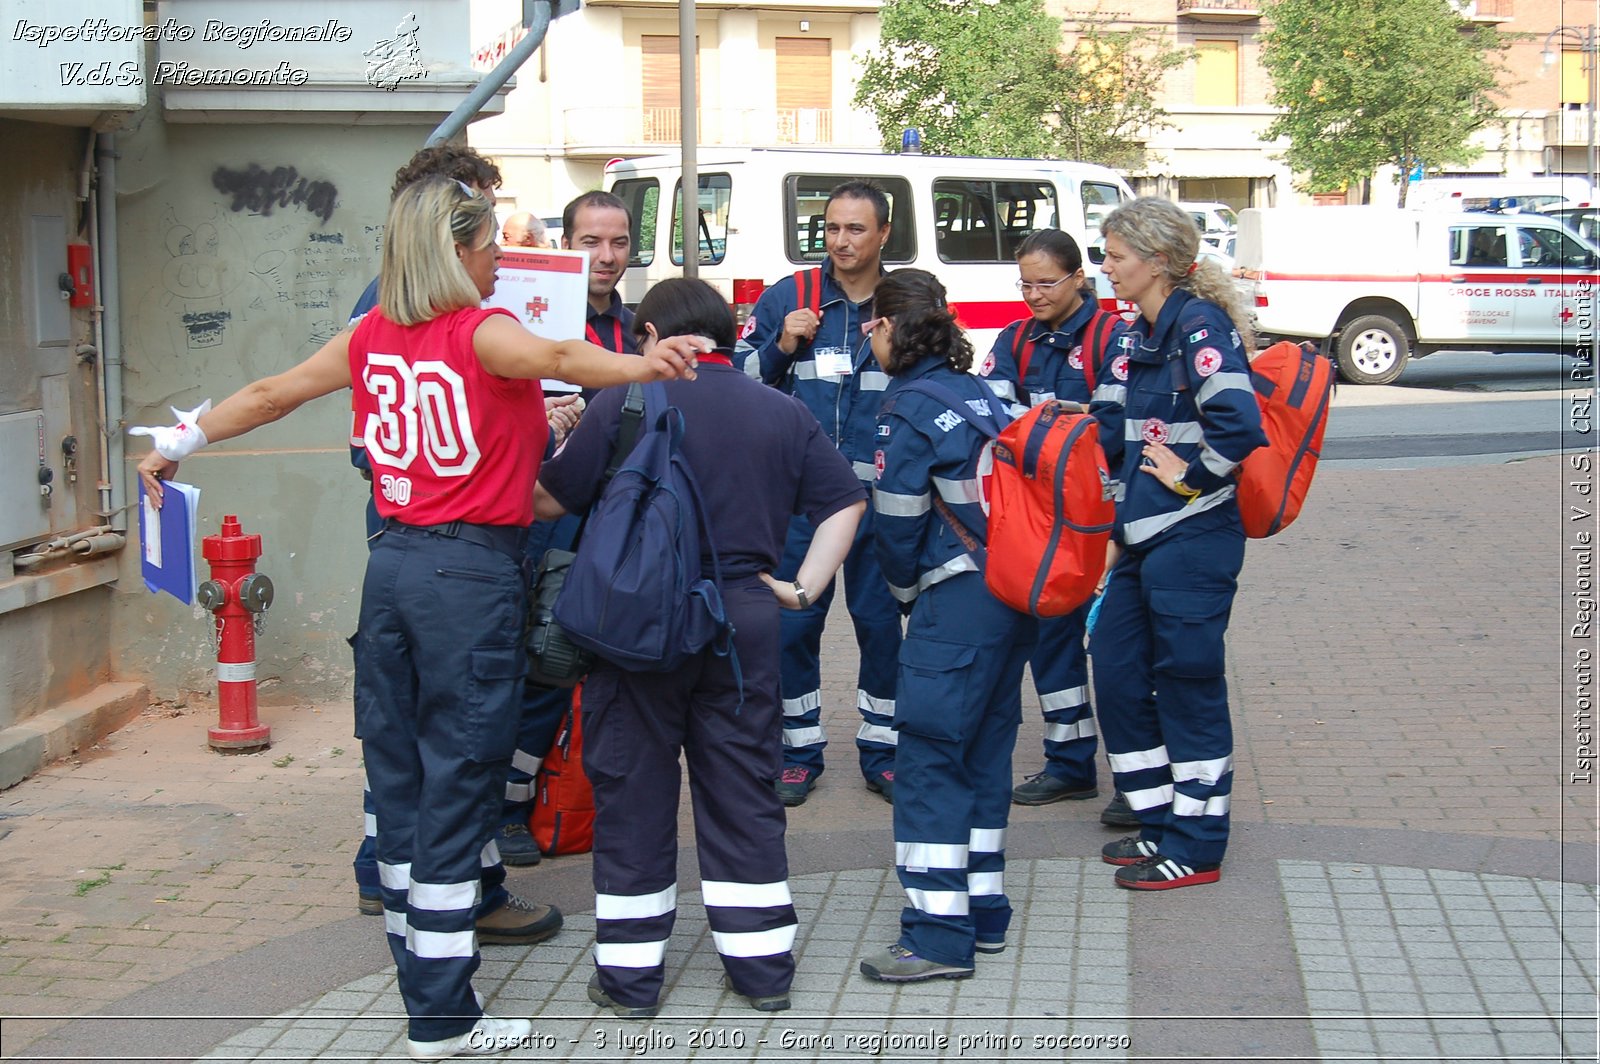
point(260, 191)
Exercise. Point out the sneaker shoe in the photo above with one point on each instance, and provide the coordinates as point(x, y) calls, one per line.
point(1043, 788)
point(1162, 873)
point(516, 845)
point(899, 965)
point(488, 1036)
point(990, 946)
point(1118, 813)
point(883, 783)
point(518, 923)
point(622, 1012)
point(795, 784)
point(369, 902)
point(772, 1003)
point(1128, 851)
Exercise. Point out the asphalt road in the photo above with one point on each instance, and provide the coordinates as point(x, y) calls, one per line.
point(1459, 407)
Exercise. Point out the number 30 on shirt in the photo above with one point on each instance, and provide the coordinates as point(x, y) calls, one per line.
point(422, 407)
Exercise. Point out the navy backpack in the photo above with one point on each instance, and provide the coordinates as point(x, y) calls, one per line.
point(635, 594)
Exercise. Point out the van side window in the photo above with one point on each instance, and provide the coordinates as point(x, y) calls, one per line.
point(643, 197)
point(716, 192)
point(985, 221)
point(805, 202)
point(1099, 200)
point(1551, 247)
point(1478, 245)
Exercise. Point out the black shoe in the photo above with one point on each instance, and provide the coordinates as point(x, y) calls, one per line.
point(1162, 873)
point(1118, 813)
point(795, 785)
point(772, 1003)
point(1128, 851)
point(517, 846)
point(883, 783)
point(623, 1012)
point(1043, 789)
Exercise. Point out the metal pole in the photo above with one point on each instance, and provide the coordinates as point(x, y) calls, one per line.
point(492, 81)
point(688, 102)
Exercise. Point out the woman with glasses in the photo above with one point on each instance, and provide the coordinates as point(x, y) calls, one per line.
point(960, 681)
point(447, 396)
point(1055, 353)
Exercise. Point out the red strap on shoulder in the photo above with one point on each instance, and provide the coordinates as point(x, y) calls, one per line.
point(1022, 350)
point(808, 290)
point(1096, 337)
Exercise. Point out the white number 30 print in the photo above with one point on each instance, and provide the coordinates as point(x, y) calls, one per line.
point(427, 395)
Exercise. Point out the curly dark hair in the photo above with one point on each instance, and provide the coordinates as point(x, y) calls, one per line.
point(924, 324)
point(447, 160)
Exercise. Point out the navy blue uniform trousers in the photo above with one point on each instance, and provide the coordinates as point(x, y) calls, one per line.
point(1061, 676)
point(876, 617)
point(1162, 694)
point(634, 725)
point(959, 706)
point(439, 668)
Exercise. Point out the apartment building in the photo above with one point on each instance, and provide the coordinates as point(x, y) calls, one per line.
point(605, 85)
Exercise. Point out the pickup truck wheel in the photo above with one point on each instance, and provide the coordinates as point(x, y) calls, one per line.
point(1372, 350)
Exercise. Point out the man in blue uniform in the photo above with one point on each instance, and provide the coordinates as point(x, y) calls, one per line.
point(821, 356)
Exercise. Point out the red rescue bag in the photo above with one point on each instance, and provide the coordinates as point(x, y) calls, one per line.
point(1294, 386)
point(1048, 493)
point(562, 820)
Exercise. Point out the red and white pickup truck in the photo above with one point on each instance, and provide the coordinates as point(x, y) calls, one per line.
point(1385, 284)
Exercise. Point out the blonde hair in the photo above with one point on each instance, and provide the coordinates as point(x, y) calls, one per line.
point(421, 276)
point(1154, 227)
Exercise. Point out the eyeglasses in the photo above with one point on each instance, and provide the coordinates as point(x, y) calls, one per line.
point(1040, 286)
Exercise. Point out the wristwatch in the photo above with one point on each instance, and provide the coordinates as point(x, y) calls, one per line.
point(801, 594)
point(1189, 494)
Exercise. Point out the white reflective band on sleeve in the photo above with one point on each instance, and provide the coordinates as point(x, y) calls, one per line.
point(986, 884)
point(798, 707)
point(891, 504)
point(443, 897)
point(1214, 462)
point(1002, 388)
point(235, 671)
point(1041, 398)
point(438, 945)
point(902, 594)
point(1072, 696)
point(1224, 382)
point(1150, 797)
point(1110, 393)
point(1119, 491)
point(755, 943)
point(523, 761)
point(872, 380)
point(395, 876)
point(939, 902)
point(865, 470)
point(987, 840)
point(884, 706)
point(1216, 805)
point(806, 370)
point(878, 733)
point(802, 736)
point(630, 954)
point(394, 923)
point(961, 563)
point(1205, 771)
point(1177, 431)
point(930, 855)
point(635, 906)
point(957, 492)
point(372, 824)
point(490, 855)
point(1136, 532)
point(1066, 733)
point(730, 895)
point(519, 792)
point(1135, 760)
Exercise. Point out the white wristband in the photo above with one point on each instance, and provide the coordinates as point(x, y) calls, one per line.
point(177, 442)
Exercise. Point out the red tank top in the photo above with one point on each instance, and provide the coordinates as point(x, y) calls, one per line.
point(448, 440)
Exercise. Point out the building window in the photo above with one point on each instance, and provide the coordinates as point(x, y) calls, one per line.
point(663, 109)
point(1216, 73)
point(805, 90)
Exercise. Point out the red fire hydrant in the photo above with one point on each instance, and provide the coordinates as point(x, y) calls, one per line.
point(236, 595)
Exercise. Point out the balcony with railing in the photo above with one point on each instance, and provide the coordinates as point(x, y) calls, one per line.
point(604, 128)
point(1568, 127)
point(1485, 10)
point(1219, 10)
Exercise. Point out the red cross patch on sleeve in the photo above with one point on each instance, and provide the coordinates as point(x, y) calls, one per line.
point(1207, 361)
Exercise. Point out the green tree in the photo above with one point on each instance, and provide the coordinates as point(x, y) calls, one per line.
point(1368, 82)
point(990, 77)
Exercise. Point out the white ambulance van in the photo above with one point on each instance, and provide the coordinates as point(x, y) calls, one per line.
point(1500, 193)
point(1385, 284)
point(960, 219)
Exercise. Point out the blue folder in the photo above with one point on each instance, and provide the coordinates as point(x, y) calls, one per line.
point(167, 538)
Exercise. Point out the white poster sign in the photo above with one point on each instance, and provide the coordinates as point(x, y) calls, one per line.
point(548, 291)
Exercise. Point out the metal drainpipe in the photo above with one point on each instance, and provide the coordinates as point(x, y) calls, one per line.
point(492, 81)
point(111, 323)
